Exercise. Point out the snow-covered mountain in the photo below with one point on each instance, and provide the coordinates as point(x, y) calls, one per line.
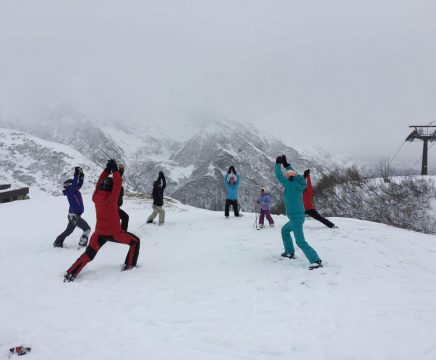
point(213, 289)
point(194, 167)
point(31, 161)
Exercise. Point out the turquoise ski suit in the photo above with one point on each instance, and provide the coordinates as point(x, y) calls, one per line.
point(232, 190)
point(293, 196)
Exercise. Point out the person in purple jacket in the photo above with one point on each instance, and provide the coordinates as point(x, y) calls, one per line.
point(72, 192)
point(264, 202)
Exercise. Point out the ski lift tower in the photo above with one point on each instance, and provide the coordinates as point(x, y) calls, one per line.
point(425, 133)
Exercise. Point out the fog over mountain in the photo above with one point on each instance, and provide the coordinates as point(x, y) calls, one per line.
point(349, 77)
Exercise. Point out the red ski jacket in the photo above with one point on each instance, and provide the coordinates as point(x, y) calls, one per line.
point(106, 206)
point(308, 194)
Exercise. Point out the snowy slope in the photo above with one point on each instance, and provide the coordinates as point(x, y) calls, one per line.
point(210, 288)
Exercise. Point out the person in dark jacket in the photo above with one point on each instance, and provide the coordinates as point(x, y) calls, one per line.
point(107, 227)
point(72, 192)
point(309, 208)
point(124, 217)
point(158, 190)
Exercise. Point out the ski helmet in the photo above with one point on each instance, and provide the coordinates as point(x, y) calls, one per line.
point(67, 183)
point(106, 184)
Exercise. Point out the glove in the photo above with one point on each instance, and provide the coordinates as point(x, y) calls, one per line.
point(279, 160)
point(111, 166)
point(114, 165)
point(108, 167)
point(78, 171)
point(284, 161)
point(161, 175)
point(232, 169)
point(306, 173)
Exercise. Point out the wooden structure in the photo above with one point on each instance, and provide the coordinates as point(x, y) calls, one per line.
point(7, 195)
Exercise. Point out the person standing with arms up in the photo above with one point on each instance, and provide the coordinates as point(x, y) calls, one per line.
point(231, 182)
point(107, 227)
point(294, 185)
point(72, 192)
point(158, 199)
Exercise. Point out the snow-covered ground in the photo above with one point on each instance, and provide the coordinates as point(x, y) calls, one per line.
point(210, 288)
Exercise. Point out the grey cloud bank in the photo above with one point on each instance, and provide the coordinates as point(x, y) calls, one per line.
point(346, 76)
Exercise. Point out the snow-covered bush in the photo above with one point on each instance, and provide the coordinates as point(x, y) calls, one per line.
point(404, 202)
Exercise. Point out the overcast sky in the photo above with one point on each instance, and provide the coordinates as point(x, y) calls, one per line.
point(346, 75)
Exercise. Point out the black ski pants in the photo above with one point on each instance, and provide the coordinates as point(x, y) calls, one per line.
point(234, 203)
point(124, 219)
point(316, 215)
point(74, 220)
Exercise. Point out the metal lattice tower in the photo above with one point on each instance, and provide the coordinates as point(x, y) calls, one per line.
point(425, 133)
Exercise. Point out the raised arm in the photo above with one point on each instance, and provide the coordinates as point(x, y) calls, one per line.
point(225, 179)
point(280, 177)
point(164, 183)
point(238, 179)
point(113, 195)
point(104, 174)
point(309, 189)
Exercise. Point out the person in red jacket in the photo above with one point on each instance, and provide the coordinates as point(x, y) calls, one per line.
point(108, 227)
point(309, 209)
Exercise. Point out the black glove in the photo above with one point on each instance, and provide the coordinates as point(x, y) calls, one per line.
point(279, 160)
point(78, 171)
point(284, 161)
point(306, 173)
point(108, 167)
point(114, 165)
point(232, 169)
point(111, 166)
point(161, 175)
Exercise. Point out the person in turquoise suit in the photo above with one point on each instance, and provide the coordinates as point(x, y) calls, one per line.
point(294, 185)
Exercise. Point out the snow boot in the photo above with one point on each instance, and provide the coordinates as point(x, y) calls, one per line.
point(315, 265)
point(83, 241)
point(58, 244)
point(290, 256)
point(68, 277)
point(124, 267)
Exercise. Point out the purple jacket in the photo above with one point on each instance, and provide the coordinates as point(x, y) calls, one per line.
point(264, 201)
point(74, 196)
